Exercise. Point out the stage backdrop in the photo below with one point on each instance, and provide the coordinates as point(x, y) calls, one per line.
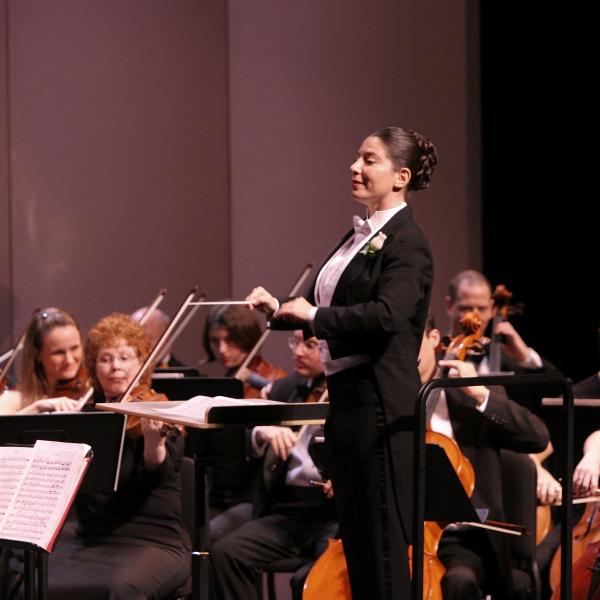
point(149, 144)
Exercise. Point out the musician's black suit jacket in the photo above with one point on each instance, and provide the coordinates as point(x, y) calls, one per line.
point(503, 425)
point(379, 308)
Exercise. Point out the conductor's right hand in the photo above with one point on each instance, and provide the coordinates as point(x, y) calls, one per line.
point(281, 439)
point(260, 299)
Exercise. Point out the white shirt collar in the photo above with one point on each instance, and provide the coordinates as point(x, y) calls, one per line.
point(380, 217)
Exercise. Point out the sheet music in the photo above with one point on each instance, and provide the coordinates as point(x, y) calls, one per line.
point(198, 406)
point(13, 462)
point(41, 498)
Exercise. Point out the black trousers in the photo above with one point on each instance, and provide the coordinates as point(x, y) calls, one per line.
point(359, 465)
point(465, 571)
point(116, 570)
point(292, 528)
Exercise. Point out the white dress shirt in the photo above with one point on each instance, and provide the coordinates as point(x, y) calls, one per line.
point(331, 272)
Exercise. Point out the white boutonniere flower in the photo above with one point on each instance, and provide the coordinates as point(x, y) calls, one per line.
point(374, 245)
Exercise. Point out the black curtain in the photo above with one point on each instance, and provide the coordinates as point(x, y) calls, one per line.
point(539, 192)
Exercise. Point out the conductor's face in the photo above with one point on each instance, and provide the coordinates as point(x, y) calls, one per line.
point(375, 181)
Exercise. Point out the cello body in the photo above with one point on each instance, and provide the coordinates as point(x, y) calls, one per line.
point(585, 557)
point(328, 579)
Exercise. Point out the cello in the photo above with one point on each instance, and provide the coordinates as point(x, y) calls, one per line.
point(585, 555)
point(501, 310)
point(462, 345)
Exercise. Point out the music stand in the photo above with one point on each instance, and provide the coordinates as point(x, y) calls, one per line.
point(419, 471)
point(201, 438)
point(188, 387)
point(453, 505)
point(104, 432)
point(104, 435)
point(175, 372)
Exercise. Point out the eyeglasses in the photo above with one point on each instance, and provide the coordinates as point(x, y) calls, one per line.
point(309, 345)
point(108, 359)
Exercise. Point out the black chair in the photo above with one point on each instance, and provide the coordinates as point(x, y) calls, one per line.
point(519, 482)
point(188, 514)
point(285, 565)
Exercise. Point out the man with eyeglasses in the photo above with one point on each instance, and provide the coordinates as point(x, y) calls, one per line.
point(291, 516)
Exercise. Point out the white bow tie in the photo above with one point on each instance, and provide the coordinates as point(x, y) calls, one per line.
point(361, 226)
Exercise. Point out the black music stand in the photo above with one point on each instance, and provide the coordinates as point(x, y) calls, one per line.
point(205, 443)
point(104, 435)
point(175, 372)
point(36, 563)
point(96, 429)
point(539, 381)
point(448, 502)
point(187, 387)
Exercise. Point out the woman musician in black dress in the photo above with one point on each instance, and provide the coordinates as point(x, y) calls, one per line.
point(130, 543)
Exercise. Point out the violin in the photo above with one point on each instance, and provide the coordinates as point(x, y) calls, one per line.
point(143, 393)
point(73, 388)
point(318, 393)
point(501, 310)
point(262, 372)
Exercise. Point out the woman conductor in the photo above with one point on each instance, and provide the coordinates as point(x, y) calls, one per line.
point(368, 307)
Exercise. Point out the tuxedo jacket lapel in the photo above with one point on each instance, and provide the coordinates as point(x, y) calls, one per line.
point(310, 294)
point(360, 263)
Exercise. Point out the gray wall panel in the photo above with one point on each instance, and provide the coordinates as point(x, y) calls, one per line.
point(308, 81)
point(119, 154)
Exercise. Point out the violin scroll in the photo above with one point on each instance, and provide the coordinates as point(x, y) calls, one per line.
point(469, 343)
point(503, 303)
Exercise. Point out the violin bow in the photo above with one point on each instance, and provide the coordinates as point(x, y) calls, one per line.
point(159, 298)
point(161, 342)
point(12, 355)
point(13, 352)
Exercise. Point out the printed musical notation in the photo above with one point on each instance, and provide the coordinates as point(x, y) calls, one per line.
point(37, 488)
